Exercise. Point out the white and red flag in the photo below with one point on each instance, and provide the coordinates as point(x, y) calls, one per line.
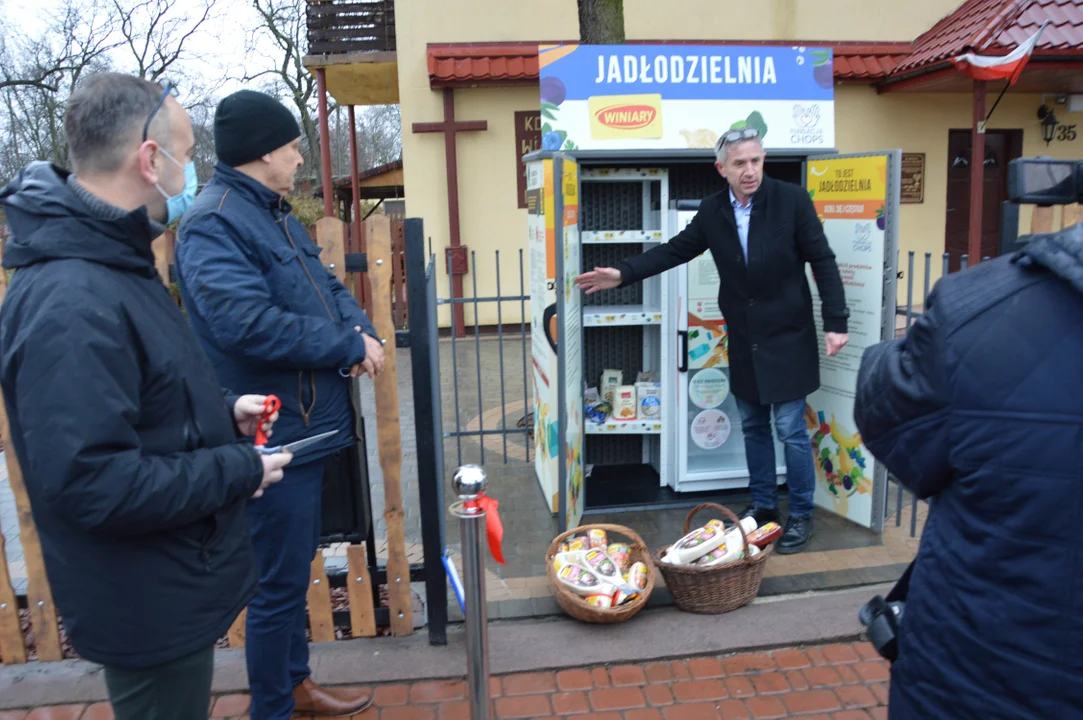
point(999, 67)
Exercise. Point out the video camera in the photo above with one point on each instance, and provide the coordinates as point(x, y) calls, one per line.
point(1038, 181)
point(1045, 181)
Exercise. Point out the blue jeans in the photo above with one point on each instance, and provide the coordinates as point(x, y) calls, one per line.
point(760, 454)
point(285, 526)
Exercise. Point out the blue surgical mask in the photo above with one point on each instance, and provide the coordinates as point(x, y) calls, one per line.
point(180, 202)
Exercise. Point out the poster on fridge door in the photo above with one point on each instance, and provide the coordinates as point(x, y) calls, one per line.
point(665, 97)
point(570, 345)
point(541, 241)
point(851, 199)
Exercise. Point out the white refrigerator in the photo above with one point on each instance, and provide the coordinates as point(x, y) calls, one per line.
point(710, 446)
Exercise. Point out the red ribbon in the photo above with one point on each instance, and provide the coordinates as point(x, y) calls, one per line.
point(494, 528)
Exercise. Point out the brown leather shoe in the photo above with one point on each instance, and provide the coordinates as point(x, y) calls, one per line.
point(309, 698)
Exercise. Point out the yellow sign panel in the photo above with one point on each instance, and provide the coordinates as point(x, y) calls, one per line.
point(620, 117)
point(848, 187)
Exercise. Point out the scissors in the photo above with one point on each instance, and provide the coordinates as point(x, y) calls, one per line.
point(271, 405)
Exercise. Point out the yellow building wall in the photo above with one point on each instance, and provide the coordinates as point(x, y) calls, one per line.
point(490, 219)
point(809, 20)
point(919, 122)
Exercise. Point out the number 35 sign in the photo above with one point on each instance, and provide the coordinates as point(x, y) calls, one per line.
point(1065, 133)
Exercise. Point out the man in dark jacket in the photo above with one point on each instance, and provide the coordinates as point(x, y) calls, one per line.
point(761, 233)
point(131, 454)
point(978, 410)
point(270, 315)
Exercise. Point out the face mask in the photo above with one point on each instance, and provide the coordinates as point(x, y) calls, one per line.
point(178, 203)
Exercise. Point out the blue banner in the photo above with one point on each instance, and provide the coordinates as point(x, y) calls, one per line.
point(689, 72)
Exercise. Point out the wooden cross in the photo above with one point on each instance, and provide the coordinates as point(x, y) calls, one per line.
point(449, 127)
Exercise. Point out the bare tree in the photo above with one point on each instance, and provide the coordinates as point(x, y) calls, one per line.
point(282, 27)
point(76, 35)
point(156, 32)
point(37, 73)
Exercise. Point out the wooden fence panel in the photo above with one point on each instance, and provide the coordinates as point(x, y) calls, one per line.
point(389, 434)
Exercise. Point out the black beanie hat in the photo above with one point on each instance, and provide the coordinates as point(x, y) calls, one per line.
point(249, 124)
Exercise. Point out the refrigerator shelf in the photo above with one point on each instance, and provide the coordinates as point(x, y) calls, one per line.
point(616, 237)
point(610, 315)
point(624, 427)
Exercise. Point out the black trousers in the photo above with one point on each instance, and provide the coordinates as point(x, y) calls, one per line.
point(177, 690)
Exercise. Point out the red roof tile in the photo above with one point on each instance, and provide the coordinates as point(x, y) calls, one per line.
point(998, 26)
point(495, 64)
point(464, 64)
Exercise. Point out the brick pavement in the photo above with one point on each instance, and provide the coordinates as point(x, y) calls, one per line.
point(842, 681)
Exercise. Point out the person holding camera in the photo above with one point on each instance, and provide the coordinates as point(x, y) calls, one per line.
point(978, 410)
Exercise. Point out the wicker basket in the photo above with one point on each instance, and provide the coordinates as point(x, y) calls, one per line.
point(577, 606)
point(713, 590)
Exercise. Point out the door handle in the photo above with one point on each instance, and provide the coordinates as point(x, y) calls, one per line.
point(682, 351)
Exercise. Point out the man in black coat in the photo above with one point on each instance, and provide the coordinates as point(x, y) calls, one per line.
point(761, 232)
point(132, 453)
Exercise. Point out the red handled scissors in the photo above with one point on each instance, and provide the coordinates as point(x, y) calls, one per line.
point(271, 405)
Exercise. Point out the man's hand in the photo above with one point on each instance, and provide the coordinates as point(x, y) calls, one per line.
point(835, 342)
point(247, 410)
point(272, 470)
point(373, 364)
point(599, 279)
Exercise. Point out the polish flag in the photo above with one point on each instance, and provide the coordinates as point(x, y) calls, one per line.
point(999, 67)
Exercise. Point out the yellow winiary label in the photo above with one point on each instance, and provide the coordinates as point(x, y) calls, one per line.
point(616, 117)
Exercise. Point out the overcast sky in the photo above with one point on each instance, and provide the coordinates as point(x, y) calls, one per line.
point(219, 45)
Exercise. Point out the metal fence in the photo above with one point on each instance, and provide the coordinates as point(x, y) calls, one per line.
point(483, 379)
point(907, 314)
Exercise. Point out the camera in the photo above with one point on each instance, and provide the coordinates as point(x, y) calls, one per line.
point(1040, 181)
point(881, 619)
point(1045, 181)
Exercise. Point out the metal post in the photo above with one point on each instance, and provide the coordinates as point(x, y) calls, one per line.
point(469, 484)
point(325, 145)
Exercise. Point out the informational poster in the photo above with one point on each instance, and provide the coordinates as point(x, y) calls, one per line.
point(856, 198)
point(708, 342)
point(543, 272)
point(570, 343)
point(607, 97)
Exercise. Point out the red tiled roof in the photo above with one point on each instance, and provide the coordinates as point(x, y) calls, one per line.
point(494, 64)
point(458, 64)
point(998, 26)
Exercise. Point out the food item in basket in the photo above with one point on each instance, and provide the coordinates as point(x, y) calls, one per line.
point(697, 543)
point(635, 577)
point(764, 535)
point(621, 555)
point(611, 380)
point(573, 557)
point(600, 601)
point(597, 539)
point(582, 581)
point(579, 542)
point(603, 566)
point(731, 550)
point(624, 403)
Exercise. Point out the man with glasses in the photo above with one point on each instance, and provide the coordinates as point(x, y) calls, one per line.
point(761, 233)
point(132, 453)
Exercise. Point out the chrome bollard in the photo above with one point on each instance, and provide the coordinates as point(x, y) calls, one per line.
point(469, 484)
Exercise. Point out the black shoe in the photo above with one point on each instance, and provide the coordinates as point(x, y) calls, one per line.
point(795, 536)
point(761, 515)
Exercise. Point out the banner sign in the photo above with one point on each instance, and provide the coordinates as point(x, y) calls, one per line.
point(856, 198)
point(612, 97)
